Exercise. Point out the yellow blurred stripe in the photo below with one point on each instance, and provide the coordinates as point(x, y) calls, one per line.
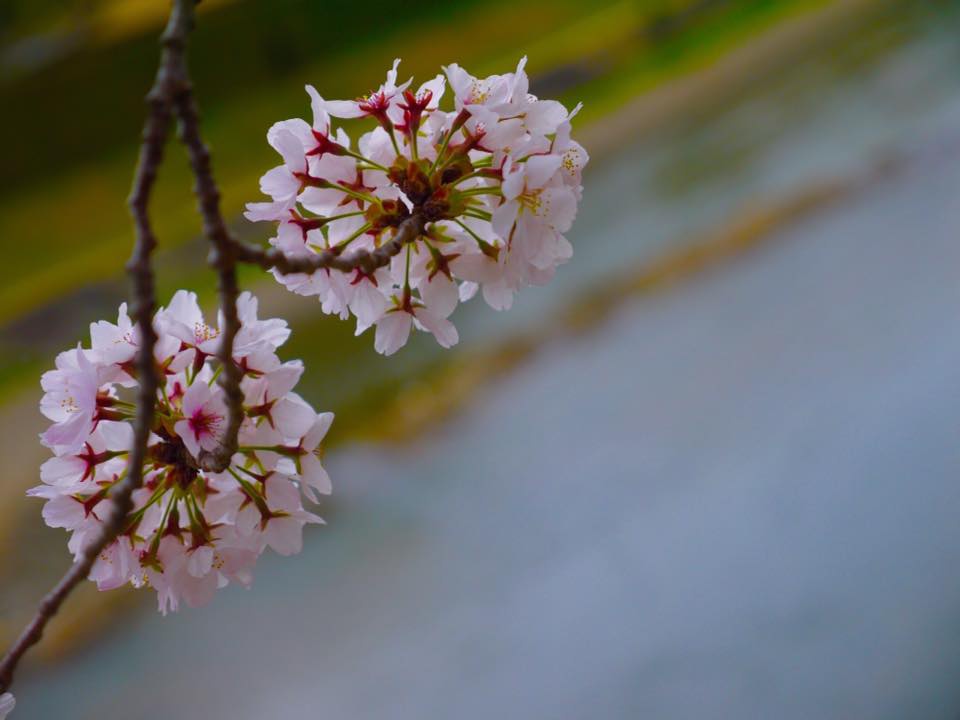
point(117, 19)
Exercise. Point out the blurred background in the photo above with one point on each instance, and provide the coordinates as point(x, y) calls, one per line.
point(712, 470)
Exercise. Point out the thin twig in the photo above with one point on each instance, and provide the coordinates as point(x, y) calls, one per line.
point(367, 261)
point(226, 251)
point(222, 259)
point(225, 254)
point(167, 84)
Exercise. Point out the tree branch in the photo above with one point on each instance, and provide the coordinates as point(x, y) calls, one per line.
point(226, 251)
point(367, 261)
point(172, 94)
point(222, 259)
point(168, 84)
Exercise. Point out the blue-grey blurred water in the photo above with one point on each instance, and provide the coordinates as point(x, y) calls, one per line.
point(734, 499)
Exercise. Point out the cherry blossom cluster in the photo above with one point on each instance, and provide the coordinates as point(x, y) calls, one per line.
point(496, 180)
point(190, 531)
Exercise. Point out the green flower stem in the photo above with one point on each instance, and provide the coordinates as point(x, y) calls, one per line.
point(478, 214)
point(360, 231)
point(361, 158)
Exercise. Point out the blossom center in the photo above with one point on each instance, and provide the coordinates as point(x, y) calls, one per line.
point(204, 423)
point(531, 201)
point(478, 93)
point(203, 332)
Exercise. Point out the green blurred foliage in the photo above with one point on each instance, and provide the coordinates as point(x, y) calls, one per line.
point(90, 102)
point(20, 18)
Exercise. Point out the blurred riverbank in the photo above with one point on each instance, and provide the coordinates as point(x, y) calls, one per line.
point(733, 499)
point(668, 193)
